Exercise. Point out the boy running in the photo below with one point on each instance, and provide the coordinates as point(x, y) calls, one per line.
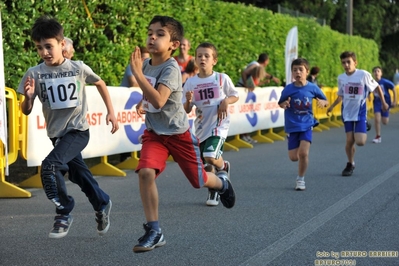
point(353, 88)
point(167, 128)
point(211, 92)
point(64, 106)
point(379, 115)
point(296, 99)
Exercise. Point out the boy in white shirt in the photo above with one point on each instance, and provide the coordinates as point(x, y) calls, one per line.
point(211, 92)
point(353, 88)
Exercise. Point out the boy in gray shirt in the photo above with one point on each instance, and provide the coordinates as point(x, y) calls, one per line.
point(168, 130)
point(59, 83)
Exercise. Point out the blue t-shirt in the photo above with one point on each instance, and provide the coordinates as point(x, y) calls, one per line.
point(299, 116)
point(385, 85)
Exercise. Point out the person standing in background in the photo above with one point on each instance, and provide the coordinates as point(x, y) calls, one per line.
point(247, 75)
point(183, 58)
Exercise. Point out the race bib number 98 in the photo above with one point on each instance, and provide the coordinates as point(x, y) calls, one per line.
point(62, 92)
point(354, 90)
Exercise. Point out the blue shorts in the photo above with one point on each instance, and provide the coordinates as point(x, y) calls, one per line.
point(295, 138)
point(377, 104)
point(356, 126)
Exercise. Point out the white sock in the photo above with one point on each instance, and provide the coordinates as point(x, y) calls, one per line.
point(300, 178)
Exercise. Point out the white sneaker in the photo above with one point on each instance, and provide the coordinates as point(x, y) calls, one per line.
point(252, 140)
point(300, 185)
point(213, 198)
point(377, 140)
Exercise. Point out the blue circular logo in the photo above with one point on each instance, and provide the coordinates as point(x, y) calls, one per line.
point(133, 135)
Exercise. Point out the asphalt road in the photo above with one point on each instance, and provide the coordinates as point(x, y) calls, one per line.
point(336, 220)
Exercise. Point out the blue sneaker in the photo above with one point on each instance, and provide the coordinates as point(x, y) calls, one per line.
point(150, 240)
point(61, 226)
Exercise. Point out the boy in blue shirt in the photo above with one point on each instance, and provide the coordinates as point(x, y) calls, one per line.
point(296, 99)
point(379, 114)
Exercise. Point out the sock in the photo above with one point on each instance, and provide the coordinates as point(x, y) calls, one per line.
point(224, 185)
point(300, 178)
point(223, 167)
point(154, 225)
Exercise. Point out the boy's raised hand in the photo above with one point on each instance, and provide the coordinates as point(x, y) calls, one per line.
point(136, 63)
point(29, 87)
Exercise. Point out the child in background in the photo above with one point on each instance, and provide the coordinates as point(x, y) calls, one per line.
point(167, 129)
point(211, 92)
point(379, 115)
point(66, 124)
point(191, 70)
point(296, 99)
point(353, 88)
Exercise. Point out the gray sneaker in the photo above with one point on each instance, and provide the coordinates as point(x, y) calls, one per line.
point(61, 226)
point(102, 219)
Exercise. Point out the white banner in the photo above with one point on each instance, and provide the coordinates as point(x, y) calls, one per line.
point(3, 111)
point(254, 111)
point(291, 52)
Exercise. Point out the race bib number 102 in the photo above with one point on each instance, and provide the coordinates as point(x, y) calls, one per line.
point(62, 92)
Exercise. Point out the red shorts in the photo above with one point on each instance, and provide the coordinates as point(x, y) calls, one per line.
point(184, 149)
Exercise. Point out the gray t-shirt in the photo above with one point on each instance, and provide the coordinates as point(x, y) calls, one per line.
point(171, 119)
point(61, 90)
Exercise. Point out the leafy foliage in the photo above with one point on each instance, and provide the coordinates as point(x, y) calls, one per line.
point(105, 31)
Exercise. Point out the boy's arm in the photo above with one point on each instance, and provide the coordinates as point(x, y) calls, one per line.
point(246, 73)
point(27, 103)
point(395, 97)
point(337, 101)
point(102, 89)
point(187, 104)
point(385, 106)
point(222, 110)
point(157, 97)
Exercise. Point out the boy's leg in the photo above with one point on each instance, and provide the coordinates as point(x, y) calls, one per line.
point(54, 166)
point(350, 147)
point(385, 117)
point(149, 168)
point(377, 123)
point(377, 119)
point(186, 152)
point(303, 154)
point(149, 193)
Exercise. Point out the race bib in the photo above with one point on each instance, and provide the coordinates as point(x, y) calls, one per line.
point(207, 96)
point(63, 93)
point(354, 91)
point(147, 106)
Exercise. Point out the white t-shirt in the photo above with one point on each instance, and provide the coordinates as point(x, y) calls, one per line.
point(354, 90)
point(208, 93)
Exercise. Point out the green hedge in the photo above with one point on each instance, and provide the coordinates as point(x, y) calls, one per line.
point(105, 34)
